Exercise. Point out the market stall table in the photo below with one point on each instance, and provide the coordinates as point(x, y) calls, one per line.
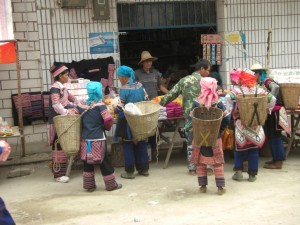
point(170, 141)
point(295, 120)
point(16, 133)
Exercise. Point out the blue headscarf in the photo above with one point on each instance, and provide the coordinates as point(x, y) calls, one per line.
point(263, 76)
point(125, 71)
point(94, 90)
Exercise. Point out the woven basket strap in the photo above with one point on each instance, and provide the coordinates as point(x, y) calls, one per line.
point(242, 91)
point(255, 113)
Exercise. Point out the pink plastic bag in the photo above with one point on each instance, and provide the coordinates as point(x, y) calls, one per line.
point(5, 147)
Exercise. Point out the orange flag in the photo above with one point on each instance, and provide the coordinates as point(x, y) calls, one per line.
point(7, 53)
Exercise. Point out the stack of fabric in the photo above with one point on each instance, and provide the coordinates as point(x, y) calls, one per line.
point(174, 110)
point(162, 113)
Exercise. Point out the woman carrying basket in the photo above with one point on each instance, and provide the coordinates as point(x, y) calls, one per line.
point(212, 155)
point(93, 140)
point(276, 121)
point(61, 102)
point(248, 139)
point(135, 152)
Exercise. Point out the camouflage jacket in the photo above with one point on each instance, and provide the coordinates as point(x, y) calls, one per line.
point(189, 88)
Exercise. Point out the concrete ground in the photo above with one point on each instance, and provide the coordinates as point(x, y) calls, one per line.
point(167, 197)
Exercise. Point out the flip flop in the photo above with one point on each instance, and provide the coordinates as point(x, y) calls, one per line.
point(63, 179)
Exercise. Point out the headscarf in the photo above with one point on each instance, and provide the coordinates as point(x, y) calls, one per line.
point(94, 90)
point(247, 78)
point(125, 71)
point(56, 70)
point(208, 91)
point(262, 76)
point(235, 76)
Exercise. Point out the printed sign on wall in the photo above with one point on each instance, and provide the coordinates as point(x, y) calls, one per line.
point(103, 43)
point(212, 48)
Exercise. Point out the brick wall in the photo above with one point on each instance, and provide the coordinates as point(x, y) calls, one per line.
point(53, 34)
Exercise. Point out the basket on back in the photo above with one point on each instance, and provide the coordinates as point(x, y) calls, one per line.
point(252, 109)
point(68, 130)
point(206, 125)
point(143, 126)
point(290, 95)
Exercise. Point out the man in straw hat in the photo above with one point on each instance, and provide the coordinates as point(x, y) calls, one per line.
point(151, 80)
point(61, 102)
point(189, 88)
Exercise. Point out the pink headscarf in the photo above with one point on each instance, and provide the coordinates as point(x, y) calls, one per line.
point(208, 91)
point(235, 76)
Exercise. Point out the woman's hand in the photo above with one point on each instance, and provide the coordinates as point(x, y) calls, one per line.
point(73, 111)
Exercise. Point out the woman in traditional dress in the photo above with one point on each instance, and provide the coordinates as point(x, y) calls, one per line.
point(276, 121)
point(248, 140)
point(212, 155)
point(135, 152)
point(93, 140)
point(61, 102)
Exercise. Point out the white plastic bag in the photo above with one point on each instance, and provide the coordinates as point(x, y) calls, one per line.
point(133, 109)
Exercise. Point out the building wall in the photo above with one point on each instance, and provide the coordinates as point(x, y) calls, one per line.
point(53, 34)
point(56, 34)
point(255, 18)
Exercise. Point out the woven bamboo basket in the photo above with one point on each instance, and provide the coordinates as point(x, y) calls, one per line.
point(290, 94)
point(206, 125)
point(252, 109)
point(143, 126)
point(68, 130)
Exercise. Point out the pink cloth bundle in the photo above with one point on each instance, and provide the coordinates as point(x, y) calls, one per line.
point(4, 150)
point(174, 110)
point(208, 91)
point(235, 76)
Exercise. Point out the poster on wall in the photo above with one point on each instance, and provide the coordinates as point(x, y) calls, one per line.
point(212, 48)
point(103, 43)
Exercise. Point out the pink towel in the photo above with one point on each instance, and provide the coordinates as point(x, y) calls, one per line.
point(208, 91)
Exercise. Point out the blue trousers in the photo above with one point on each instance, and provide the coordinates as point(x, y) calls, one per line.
point(277, 149)
point(251, 155)
point(189, 140)
point(136, 156)
point(5, 217)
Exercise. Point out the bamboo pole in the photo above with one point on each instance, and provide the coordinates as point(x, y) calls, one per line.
point(269, 51)
point(20, 108)
point(20, 112)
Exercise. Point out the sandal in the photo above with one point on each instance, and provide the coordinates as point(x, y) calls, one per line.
point(62, 179)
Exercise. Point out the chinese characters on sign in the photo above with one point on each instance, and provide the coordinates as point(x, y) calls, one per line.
point(212, 48)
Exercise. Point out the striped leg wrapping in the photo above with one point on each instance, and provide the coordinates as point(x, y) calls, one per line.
point(110, 182)
point(219, 175)
point(202, 181)
point(89, 180)
point(59, 163)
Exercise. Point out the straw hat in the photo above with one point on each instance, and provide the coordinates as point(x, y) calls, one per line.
point(145, 56)
point(256, 67)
